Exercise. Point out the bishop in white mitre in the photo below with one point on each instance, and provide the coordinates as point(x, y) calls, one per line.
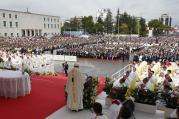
point(74, 89)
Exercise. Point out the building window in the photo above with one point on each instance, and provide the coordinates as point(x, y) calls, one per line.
point(9, 15)
point(10, 24)
point(44, 25)
point(16, 16)
point(55, 25)
point(4, 15)
point(11, 34)
point(54, 20)
point(16, 24)
point(48, 19)
point(58, 20)
point(48, 25)
point(4, 23)
point(5, 34)
point(44, 19)
point(51, 25)
point(17, 34)
point(51, 19)
point(58, 25)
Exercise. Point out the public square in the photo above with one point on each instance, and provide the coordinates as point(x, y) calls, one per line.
point(90, 59)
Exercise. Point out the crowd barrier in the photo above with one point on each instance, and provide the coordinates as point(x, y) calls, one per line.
point(61, 58)
point(44, 69)
point(121, 72)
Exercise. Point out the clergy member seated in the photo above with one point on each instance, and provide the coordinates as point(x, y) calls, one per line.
point(74, 89)
point(166, 87)
point(120, 84)
point(160, 79)
point(97, 108)
point(142, 84)
point(169, 80)
point(127, 109)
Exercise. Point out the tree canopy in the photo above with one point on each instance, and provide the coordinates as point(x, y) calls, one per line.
point(157, 26)
point(108, 22)
point(122, 24)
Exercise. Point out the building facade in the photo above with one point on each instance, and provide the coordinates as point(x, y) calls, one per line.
point(166, 19)
point(26, 24)
point(102, 13)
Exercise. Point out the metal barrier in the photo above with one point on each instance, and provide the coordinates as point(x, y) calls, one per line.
point(121, 72)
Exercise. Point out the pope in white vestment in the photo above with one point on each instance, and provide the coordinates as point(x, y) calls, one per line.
point(74, 89)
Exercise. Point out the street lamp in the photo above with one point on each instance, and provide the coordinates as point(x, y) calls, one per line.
point(118, 27)
point(130, 34)
point(70, 32)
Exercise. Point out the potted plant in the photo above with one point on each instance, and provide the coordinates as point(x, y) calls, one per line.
point(28, 71)
point(145, 100)
point(89, 92)
point(170, 102)
point(108, 89)
point(108, 85)
point(119, 92)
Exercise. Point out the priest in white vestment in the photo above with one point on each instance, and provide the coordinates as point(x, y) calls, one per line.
point(74, 89)
point(114, 109)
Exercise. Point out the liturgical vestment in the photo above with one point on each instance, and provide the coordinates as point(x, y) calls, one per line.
point(74, 89)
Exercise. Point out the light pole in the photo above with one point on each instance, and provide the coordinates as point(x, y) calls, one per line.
point(70, 32)
point(130, 34)
point(118, 27)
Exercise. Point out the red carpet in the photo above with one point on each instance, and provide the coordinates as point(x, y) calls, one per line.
point(47, 96)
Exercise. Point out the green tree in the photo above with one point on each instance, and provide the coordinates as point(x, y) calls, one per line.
point(74, 24)
point(157, 26)
point(123, 20)
point(99, 26)
point(143, 28)
point(117, 22)
point(134, 26)
point(66, 27)
point(129, 23)
point(88, 24)
point(100, 21)
point(167, 29)
point(124, 28)
point(108, 22)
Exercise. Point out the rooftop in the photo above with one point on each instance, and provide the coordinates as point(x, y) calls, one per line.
point(27, 12)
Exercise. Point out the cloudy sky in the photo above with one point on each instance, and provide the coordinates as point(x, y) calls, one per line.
point(149, 9)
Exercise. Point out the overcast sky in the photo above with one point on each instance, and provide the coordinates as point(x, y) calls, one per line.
point(149, 9)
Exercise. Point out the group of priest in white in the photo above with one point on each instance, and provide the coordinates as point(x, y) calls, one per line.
point(144, 76)
point(18, 61)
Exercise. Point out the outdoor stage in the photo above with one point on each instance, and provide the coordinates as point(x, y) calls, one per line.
point(46, 97)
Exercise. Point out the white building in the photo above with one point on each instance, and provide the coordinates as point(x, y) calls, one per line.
point(17, 23)
point(102, 13)
point(166, 19)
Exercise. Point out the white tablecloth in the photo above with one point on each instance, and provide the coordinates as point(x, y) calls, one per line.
point(14, 83)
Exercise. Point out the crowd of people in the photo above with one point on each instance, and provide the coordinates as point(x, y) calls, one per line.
point(100, 47)
point(94, 47)
point(152, 56)
point(166, 49)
